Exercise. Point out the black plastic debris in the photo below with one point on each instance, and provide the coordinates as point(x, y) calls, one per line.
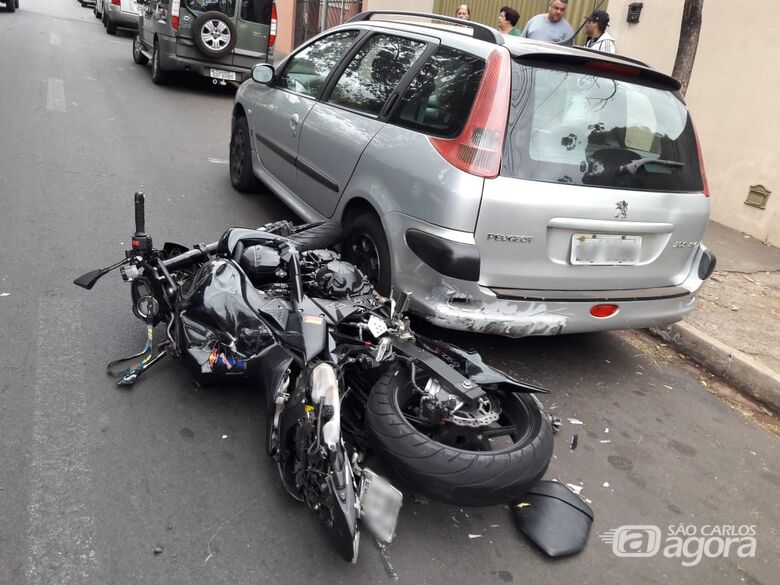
point(554, 518)
point(573, 443)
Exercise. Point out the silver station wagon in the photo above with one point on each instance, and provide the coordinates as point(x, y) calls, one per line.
point(509, 186)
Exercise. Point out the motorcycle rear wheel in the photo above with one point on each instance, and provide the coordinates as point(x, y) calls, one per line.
point(484, 466)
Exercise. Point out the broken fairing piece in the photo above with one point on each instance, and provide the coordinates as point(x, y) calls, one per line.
point(553, 518)
point(575, 421)
point(573, 443)
point(575, 488)
point(472, 536)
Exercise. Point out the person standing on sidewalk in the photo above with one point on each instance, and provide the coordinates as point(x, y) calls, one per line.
point(463, 12)
point(598, 37)
point(550, 26)
point(507, 19)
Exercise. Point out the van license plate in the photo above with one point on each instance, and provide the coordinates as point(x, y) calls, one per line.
point(605, 249)
point(226, 75)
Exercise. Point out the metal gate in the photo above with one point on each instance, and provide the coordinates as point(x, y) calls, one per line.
point(313, 16)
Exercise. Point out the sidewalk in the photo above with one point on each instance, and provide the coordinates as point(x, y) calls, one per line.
point(734, 330)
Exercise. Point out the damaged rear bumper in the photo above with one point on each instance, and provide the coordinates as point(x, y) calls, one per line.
point(464, 305)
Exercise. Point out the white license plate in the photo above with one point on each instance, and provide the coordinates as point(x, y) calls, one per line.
point(605, 249)
point(220, 74)
point(380, 503)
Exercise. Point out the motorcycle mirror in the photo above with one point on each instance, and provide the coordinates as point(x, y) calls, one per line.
point(89, 279)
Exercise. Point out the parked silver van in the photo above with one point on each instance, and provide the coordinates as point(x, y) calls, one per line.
point(220, 39)
point(510, 186)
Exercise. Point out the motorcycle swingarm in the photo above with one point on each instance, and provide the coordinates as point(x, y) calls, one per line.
point(453, 381)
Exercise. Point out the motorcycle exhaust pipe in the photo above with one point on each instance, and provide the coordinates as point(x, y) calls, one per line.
point(325, 388)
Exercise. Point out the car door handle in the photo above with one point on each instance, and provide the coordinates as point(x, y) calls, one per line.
point(295, 119)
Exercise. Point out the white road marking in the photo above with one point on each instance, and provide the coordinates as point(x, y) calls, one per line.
point(61, 526)
point(219, 161)
point(55, 40)
point(55, 95)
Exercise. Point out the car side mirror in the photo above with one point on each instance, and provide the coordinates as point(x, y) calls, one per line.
point(263, 73)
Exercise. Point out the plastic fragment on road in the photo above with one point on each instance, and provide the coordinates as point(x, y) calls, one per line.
point(575, 488)
point(573, 443)
point(224, 436)
point(5, 294)
point(605, 484)
point(575, 421)
point(605, 441)
point(472, 536)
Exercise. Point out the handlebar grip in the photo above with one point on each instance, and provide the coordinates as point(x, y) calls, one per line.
point(140, 227)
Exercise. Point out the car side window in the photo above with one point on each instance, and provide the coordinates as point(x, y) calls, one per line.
point(439, 99)
point(227, 7)
point(374, 72)
point(306, 71)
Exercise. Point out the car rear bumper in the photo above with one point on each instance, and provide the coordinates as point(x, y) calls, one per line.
point(463, 305)
point(124, 19)
point(173, 62)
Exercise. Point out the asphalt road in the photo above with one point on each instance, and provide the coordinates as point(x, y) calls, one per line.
point(94, 478)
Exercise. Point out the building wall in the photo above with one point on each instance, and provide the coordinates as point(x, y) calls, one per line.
point(285, 27)
point(730, 97)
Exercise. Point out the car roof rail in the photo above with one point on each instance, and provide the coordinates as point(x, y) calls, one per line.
point(479, 31)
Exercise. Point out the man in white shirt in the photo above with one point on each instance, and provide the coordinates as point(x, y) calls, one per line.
point(598, 37)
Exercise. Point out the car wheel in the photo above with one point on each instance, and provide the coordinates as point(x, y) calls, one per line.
point(365, 246)
point(214, 34)
point(138, 56)
point(10, 7)
point(159, 75)
point(104, 18)
point(16, 4)
point(241, 175)
point(95, 12)
point(110, 26)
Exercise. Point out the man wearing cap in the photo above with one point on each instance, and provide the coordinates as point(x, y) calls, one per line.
point(598, 37)
point(550, 26)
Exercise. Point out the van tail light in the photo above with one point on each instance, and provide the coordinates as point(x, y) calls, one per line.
point(175, 6)
point(704, 183)
point(272, 33)
point(477, 150)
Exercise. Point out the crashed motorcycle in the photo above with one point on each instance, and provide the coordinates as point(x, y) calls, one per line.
point(343, 375)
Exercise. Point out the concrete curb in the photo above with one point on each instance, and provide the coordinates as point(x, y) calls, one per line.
point(744, 372)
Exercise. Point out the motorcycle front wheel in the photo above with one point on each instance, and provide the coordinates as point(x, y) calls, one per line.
point(465, 464)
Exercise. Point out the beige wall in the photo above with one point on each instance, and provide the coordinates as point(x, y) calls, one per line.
point(413, 5)
point(731, 97)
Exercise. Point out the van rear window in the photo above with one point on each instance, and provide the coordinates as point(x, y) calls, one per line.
point(579, 128)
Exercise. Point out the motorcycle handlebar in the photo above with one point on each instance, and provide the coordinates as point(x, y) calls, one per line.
point(140, 224)
point(189, 255)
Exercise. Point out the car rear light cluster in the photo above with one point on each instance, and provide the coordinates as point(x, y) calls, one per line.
point(116, 2)
point(272, 33)
point(477, 150)
point(704, 183)
point(175, 7)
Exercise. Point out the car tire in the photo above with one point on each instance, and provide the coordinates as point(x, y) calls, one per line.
point(104, 18)
point(110, 26)
point(10, 6)
point(159, 75)
point(461, 476)
point(214, 34)
point(241, 175)
point(96, 13)
point(365, 246)
point(138, 57)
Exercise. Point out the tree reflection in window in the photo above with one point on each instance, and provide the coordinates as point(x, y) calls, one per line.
point(374, 72)
point(227, 7)
point(306, 71)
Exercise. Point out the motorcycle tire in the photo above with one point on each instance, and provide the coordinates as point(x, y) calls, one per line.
point(316, 236)
point(455, 470)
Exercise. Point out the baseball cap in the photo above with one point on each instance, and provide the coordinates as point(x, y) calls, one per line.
point(601, 17)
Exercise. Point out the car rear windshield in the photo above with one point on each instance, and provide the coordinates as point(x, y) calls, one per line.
point(585, 129)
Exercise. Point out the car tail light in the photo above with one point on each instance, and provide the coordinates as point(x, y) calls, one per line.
point(116, 2)
point(602, 311)
point(477, 150)
point(175, 5)
point(272, 34)
point(704, 183)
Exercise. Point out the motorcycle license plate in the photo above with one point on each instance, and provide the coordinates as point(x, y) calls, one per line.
point(221, 74)
point(605, 249)
point(379, 503)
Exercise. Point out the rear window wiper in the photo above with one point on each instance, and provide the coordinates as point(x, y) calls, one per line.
point(632, 167)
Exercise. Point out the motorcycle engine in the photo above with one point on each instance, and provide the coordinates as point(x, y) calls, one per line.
point(336, 278)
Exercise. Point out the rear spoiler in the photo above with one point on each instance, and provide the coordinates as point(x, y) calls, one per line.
point(595, 61)
point(478, 31)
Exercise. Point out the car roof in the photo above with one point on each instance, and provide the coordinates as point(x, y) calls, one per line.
point(454, 31)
